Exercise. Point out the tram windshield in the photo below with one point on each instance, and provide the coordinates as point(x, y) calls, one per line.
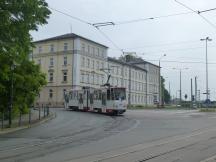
point(116, 94)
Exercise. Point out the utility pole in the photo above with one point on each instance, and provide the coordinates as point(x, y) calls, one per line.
point(180, 82)
point(191, 92)
point(180, 91)
point(129, 89)
point(159, 79)
point(207, 88)
point(195, 98)
point(170, 93)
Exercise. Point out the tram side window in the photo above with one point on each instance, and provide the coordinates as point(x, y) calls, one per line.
point(112, 94)
point(108, 94)
point(103, 99)
point(99, 95)
point(96, 95)
point(80, 98)
point(91, 98)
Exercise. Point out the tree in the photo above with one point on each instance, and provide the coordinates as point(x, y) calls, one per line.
point(165, 94)
point(18, 18)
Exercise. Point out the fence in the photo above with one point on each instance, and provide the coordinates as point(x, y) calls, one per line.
point(34, 115)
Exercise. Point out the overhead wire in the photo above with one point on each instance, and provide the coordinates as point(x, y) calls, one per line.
point(110, 40)
point(178, 49)
point(182, 62)
point(150, 18)
point(198, 12)
point(163, 44)
point(68, 15)
point(131, 21)
point(91, 24)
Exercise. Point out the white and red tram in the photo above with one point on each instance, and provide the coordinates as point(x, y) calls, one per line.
point(109, 100)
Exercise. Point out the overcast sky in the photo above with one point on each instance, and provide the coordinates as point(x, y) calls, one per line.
point(177, 36)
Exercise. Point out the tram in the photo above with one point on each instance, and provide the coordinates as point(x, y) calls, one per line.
point(107, 99)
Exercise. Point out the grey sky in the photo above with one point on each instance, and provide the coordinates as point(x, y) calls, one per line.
point(178, 36)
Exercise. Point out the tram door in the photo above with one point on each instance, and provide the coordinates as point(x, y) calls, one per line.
point(91, 100)
point(86, 99)
point(104, 101)
point(80, 101)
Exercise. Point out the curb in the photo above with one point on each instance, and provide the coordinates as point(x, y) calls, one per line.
point(11, 130)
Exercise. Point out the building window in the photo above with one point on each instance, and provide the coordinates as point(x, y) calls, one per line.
point(65, 46)
point(98, 52)
point(88, 63)
point(51, 62)
point(50, 77)
point(83, 62)
point(83, 47)
point(87, 76)
point(65, 60)
point(64, 76)
point(92, 79)
point(93, 51)
point(125, 72)
point(98, 65)
point(98, 78)
point(50, 93)
point(51, 48)
point(82, 78)
point(93, 64)
point(39, 49)
point(103, 54)
point(64, 91)
point(88, 49)
point(39, 61)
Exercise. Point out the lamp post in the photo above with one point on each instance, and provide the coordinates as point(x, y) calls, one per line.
point(180, 82)
point(207, 89)
point(159, 78)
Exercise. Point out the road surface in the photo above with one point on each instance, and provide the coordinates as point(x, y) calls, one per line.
point(138, 136)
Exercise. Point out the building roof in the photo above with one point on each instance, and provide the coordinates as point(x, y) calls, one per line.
point(111, 59)
point(68, 36)
point(144, 62)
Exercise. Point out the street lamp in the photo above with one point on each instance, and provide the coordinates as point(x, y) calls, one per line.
point(159, 78)
point(207, 89)
point(180, 72)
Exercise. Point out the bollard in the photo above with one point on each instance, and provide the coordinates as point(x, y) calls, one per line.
point(20, 118)
point(48, 111)
point(30, 115)
point(44, 110)
point(2, 123)
point(39, 113)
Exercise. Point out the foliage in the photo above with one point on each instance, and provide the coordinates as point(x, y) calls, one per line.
point(18, 18)
point(165, 94)
point(207, 110)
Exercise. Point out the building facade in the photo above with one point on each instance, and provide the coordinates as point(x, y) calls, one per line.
point(71, 62)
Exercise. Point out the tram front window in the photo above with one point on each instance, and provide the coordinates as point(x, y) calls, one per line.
point(119, 94)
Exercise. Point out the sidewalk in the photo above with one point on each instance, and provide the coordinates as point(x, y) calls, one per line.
point(27, 121)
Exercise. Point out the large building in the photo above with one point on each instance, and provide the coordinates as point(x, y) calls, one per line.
point(71, 61)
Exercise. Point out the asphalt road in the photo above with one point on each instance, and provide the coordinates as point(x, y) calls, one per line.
point(138, 136)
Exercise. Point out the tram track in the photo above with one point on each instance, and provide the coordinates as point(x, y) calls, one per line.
point(34, 149)
point(110, 155)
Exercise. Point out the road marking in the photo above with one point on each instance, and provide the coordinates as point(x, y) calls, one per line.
point(211, 159)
